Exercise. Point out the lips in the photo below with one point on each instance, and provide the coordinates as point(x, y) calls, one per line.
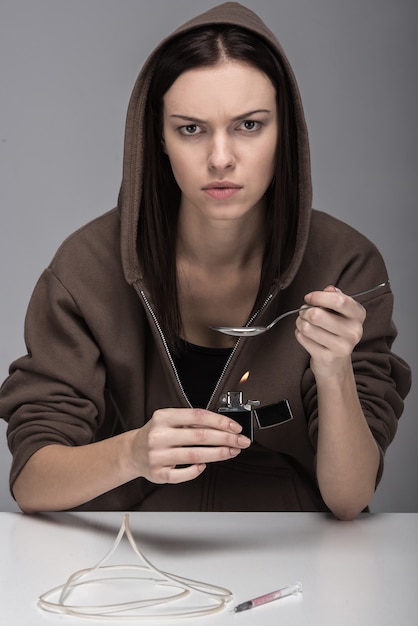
point(221, 190)
point(222, 184)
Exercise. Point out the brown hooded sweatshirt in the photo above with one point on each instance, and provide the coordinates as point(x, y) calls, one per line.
point(98, 363)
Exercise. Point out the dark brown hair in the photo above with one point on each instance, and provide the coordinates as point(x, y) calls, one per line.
point(158, 213)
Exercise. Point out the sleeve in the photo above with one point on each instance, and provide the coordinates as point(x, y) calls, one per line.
point(54, 394)
point(383, 379)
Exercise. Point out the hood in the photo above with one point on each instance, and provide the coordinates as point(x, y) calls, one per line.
point(231, 13)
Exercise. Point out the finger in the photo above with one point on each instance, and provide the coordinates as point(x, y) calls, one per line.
point(178, 418)
point(350, 299)
point(334, 302)
point(337, 338)
point(195, 436)
point(193, 456)
point(324, 319)
point(315, 336)
point(174, 475)
point(162, 464)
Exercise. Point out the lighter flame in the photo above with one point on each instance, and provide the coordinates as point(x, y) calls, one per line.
point(245, 377)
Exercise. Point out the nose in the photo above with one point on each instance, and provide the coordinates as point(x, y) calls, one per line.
point(221, 154)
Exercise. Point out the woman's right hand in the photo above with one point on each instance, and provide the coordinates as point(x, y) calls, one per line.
point(176, 444)
point(173, 447)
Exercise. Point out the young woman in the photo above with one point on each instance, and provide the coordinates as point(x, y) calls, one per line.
point(116, 405)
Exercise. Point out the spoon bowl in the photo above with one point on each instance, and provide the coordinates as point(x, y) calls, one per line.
point(253, 331)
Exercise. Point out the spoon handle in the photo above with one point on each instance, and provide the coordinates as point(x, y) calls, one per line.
point(362, 293)
point(311, 306)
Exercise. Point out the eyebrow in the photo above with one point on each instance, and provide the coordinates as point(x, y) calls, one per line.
point(190, 118)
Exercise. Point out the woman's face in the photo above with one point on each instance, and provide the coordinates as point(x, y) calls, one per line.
point(220, 133)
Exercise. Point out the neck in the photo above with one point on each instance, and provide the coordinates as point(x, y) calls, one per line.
point(220, 243)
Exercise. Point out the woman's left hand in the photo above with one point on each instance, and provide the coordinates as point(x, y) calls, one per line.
point(330, 330)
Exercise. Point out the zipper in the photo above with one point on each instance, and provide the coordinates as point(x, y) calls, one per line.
point(223, 372)
point(167, 349)
point(170, 358)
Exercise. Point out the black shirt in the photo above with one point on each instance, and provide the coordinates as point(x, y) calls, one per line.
point(199, 369)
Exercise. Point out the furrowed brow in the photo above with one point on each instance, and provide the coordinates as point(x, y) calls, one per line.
point(196, 120)
point(188, 118)
point(250, 113)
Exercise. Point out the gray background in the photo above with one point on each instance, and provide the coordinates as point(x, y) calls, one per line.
point(67, 69)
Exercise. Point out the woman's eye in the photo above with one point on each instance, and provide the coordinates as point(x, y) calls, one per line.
point(250, 125)
point(189, 129)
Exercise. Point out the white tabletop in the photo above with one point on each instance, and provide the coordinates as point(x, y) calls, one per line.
point(353, 573)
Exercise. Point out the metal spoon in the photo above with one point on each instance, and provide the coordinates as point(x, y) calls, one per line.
point(252, 331)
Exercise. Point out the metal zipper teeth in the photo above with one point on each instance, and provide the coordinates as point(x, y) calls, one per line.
point(223, 373)
point(167, 349)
